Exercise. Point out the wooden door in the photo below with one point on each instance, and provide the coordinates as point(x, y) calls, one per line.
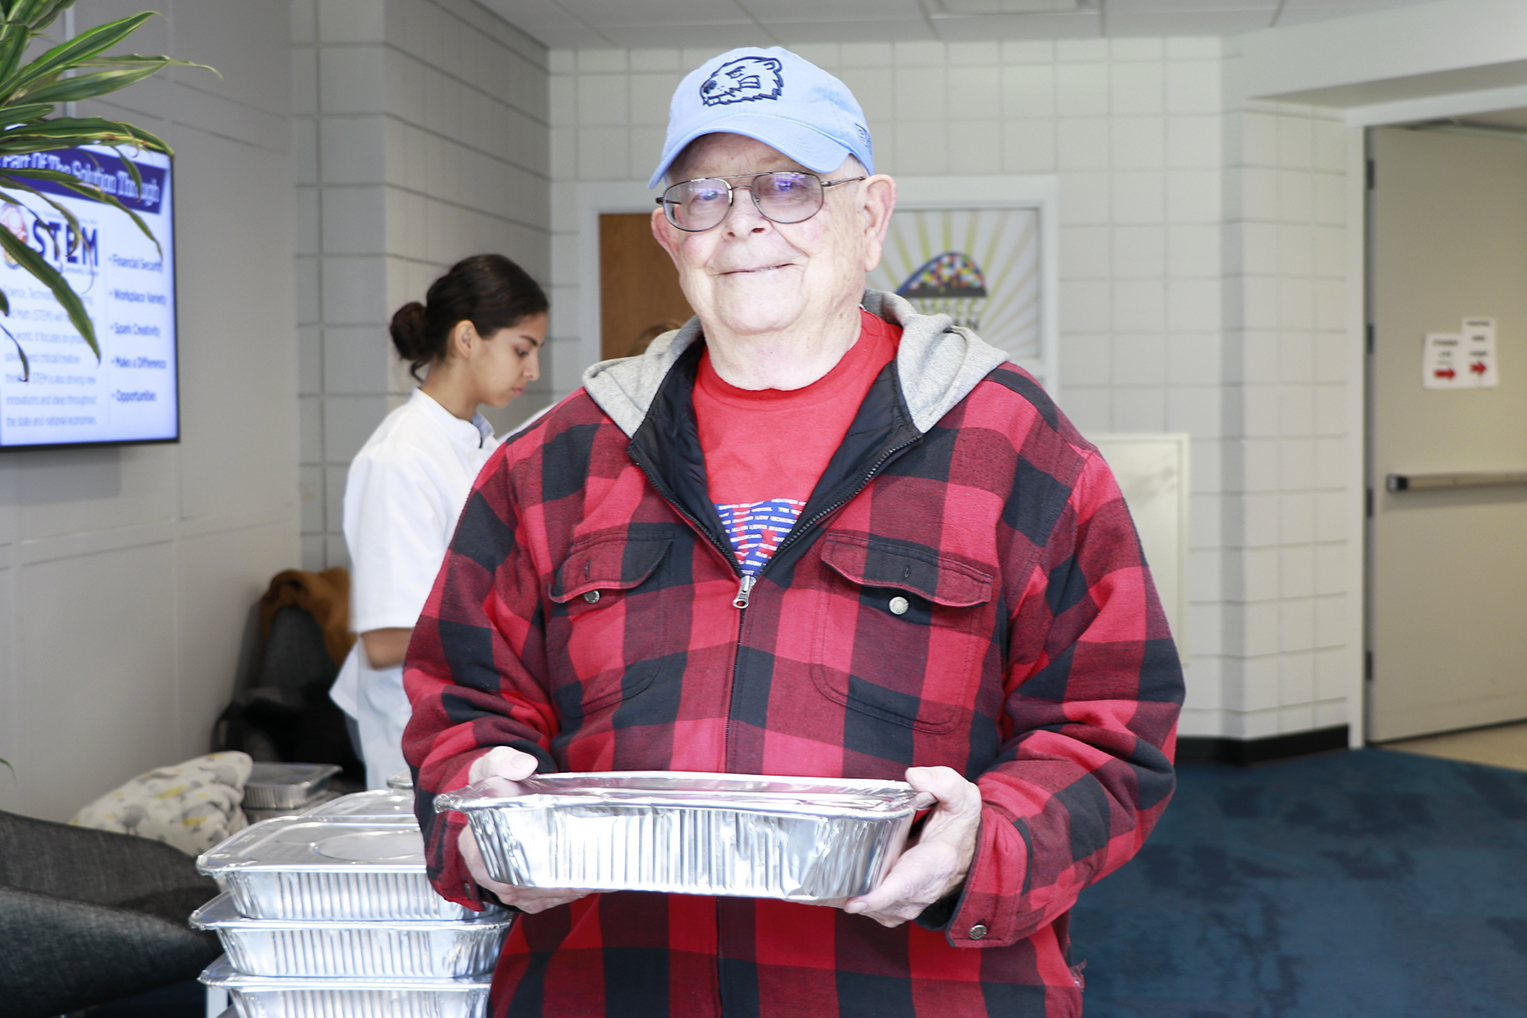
point(1447, 591)
point(638, 285)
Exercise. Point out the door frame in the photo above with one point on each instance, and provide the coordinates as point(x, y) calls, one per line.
point(591, 200)
point(1359, 120)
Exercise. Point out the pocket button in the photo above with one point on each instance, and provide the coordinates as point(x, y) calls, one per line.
point(977, 932)
point(592, 597)
point(899, 605)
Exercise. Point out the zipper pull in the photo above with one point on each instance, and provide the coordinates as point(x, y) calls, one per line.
point(743, 589)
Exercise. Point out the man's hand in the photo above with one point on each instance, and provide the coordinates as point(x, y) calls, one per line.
point(940, 860)
point(512, 765)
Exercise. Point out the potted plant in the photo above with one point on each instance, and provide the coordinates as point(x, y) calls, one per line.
point(30, 94)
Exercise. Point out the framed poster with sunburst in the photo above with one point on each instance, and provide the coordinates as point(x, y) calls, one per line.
point(980, 250)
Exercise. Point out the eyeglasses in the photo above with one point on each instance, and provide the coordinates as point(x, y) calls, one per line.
point(781, 196)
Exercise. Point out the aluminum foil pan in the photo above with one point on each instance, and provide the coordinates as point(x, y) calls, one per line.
point(413, 948)
point(285, 785)
point(402, 779)
point(256, 815)
point(801, 839)
point(381, 802)
point(287, 997)
point(304, 867)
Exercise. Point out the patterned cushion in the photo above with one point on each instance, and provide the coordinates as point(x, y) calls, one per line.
point(192, 805)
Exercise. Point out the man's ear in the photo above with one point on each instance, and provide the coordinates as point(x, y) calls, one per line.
point(878, 202)
point(667, 237)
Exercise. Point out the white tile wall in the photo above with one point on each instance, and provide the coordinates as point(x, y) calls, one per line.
point(1285, 277)
point(421, 136)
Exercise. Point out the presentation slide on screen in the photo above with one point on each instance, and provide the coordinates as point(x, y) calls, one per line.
point(128, 289)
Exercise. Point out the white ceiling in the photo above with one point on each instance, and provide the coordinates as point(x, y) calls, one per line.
point(720, 24)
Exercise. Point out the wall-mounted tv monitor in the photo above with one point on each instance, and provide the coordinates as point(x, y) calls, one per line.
point(128, 288)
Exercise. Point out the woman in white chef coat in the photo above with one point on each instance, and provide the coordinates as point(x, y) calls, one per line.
point(479, 334)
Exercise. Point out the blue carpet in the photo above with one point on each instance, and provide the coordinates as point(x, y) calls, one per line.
point(1369, 884)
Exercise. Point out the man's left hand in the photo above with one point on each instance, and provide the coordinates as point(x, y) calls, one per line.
point(940, 860)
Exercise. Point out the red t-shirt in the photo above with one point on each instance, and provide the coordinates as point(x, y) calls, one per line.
point(765, 449)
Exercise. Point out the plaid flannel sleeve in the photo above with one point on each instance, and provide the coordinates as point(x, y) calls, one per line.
point(1093, 685)
point(470, 668)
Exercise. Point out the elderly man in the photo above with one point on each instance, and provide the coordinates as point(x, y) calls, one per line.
point(810, 533)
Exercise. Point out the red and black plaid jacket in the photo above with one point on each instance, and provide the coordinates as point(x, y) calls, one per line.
point(585, 614)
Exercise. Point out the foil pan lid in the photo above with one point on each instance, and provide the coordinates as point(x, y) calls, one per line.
point(282, 775)
point(322, 843)
point(222, 973)
point(222, 914)
point(754, 793)
point(380, 802)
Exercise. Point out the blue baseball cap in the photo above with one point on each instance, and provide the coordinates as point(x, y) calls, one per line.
point(773, 96)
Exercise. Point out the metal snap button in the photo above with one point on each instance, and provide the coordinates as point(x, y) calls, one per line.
point(977, 931)
point(899, 605)
point(592, 597)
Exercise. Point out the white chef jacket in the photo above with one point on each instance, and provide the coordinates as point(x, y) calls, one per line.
point(405, 490)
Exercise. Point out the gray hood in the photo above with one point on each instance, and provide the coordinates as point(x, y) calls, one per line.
point(937, 364)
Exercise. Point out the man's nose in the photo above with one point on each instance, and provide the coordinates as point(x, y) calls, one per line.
point(744, 215)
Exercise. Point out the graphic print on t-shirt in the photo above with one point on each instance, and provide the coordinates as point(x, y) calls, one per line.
point(757, 528)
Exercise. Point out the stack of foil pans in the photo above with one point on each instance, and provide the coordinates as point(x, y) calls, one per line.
point(329, 914)
point(800, 839)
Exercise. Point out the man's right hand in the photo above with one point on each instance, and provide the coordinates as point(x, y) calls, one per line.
point(504, 762)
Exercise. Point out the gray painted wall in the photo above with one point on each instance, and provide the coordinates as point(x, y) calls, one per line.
point(126, 574)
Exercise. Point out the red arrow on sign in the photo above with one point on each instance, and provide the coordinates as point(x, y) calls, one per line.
point(1478, 367)
point(1445, 373)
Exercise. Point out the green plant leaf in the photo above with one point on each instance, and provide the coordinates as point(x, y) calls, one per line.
point(66, 55)
point(67, 132)
point(26, 376)
point(88, 86)
point(22, 112)
point(34, 263)
point(135, 59)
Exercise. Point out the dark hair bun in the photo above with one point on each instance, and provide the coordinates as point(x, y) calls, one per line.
point(488, 290)
point(407, 330)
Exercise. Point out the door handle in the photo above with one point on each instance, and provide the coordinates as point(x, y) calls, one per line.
point(1416, 482)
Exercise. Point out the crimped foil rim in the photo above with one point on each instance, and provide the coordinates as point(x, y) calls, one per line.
point(831, 797)
point(222, 973)
point(222, 914)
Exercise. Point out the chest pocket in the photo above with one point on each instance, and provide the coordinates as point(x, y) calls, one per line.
point(901, 633)
point(607, 627)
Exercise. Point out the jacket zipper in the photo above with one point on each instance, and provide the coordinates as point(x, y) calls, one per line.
point(744, 589)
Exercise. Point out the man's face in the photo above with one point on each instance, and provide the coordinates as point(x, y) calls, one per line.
point(750, 276)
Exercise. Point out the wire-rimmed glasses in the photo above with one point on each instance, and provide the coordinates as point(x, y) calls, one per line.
point(781, 196)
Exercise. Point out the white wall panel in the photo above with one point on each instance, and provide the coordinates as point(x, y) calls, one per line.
point(444, 133)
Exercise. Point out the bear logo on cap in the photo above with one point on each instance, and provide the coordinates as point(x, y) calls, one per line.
point(743, 80)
